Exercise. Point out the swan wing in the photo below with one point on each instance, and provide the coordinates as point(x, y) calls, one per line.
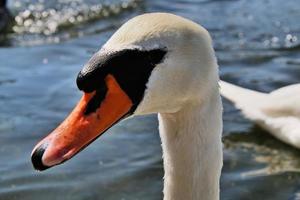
point(277, 112)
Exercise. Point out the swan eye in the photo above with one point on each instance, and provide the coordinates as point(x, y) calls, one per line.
point(130, 67)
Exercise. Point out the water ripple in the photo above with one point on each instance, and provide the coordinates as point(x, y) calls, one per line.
point(38, 19)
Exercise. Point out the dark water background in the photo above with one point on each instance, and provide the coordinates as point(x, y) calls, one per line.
point(257, 45)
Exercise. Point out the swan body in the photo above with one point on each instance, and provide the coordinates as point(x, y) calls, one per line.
point(155, 63)
point(277, 112)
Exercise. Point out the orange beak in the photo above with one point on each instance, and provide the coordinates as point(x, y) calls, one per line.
point(79, 129)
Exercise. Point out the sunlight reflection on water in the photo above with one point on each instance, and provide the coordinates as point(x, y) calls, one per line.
point(257, 45)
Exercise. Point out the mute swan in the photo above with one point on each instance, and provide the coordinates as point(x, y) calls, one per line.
point(277, 112)
point(155, 63)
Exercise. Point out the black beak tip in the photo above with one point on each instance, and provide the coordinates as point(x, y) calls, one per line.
point(36, 159)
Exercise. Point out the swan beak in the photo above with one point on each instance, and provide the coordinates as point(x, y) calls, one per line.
point(86, 122)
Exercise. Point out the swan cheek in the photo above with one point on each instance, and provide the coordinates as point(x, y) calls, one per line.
point(87, 121)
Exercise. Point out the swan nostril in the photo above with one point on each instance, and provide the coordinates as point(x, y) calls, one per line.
point(96, 100)
point(36, 158)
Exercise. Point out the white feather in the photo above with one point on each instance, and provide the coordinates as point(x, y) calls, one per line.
point(183, 89)
point(277, 112)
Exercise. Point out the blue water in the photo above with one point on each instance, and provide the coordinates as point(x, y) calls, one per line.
point(257, 45)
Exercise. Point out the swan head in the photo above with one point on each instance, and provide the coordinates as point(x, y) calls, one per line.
point(155, 63)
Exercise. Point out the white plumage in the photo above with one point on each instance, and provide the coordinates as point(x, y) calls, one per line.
point(277, 112)
point(183, 89)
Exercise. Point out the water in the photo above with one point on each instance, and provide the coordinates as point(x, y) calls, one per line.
point(257, 45)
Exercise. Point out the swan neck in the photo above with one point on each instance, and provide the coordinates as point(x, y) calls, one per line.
point(192, 150)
